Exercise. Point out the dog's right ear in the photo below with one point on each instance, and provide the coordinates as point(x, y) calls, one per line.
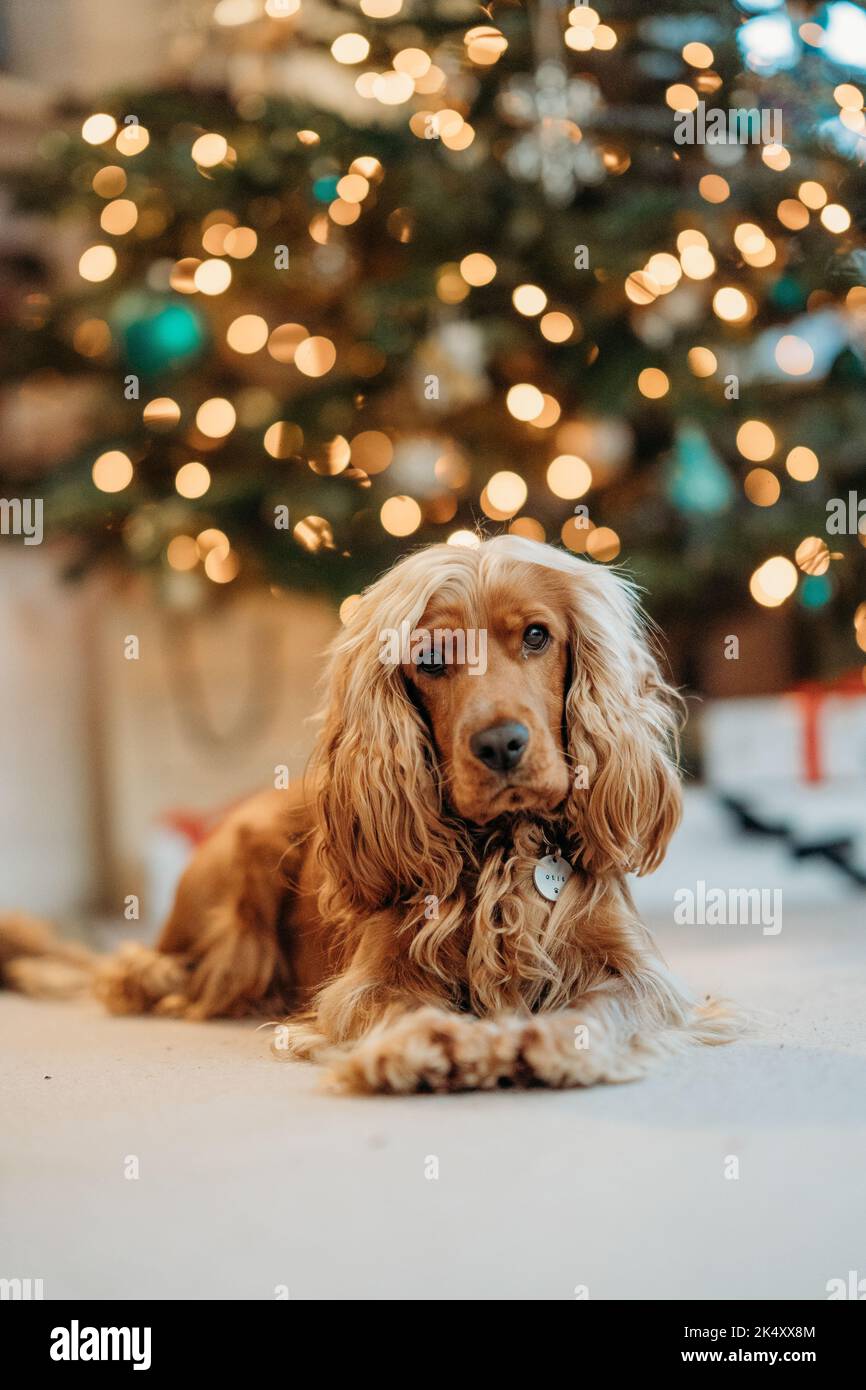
point(623, 721)
point(383, 838)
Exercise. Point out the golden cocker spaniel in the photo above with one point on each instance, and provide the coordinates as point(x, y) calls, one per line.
point(444, 904)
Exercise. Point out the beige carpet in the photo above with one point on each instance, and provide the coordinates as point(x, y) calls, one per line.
point(251, 1177)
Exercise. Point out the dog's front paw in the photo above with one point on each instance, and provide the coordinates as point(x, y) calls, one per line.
point(430, 1050)
point(563, 1050)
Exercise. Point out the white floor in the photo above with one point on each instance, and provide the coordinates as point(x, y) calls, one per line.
point(253, 1177)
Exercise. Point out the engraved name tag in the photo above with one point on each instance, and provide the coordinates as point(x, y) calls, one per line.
point(550, 875)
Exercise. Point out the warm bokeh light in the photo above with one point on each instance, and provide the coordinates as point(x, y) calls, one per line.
point(240, 243)
point(679, 97)
point(604, 38)
point(756, 441)
point(210, 150)
point(556, 327)
point(732, 305)
point(579, 40)
point(109, 182)
point(849, 97)
point(372, 451)
point(162, 413)
point(702, 362)
point(794, 355)
point(451, 285)
point(222, 569)
point(315, 356)
point(414, 61)
point(524, 401)
point(653, 383)
point(665, 270)
point(182, 553)
point(182, 277)
point(748, 237)
point(507, 492)
point(212, 277)
point(132, 140)
point(211, 538)
point(246, 334)
point(773, 581)
point(393, 88)
point(569, 476)
point(97, 263)
point(400, 515)
point(477, 269)
point(548, 415)
point(641, 288)
point(283, 439)
point(344, 214)
point(216, 417)
point(836, 218)
point(465, 538)
point(776, 157)
point(603, 544)
point(350, 48)
point(91, 337)
point(529, 300)
point(112, 471)
point(485, 45)
point(118, 217)
point(528, 527)
point(814, 195)
point(714, 189)
point(192, 480)
point(283, 342)
point(802, 464)
point(381, 9)
point(698, 55)
point(353, 188)
point(813, 555)
point(348, 607)
point(98, 128)
point(762, 487)
point(698, 263)
point(793, 214)
point(314, 533)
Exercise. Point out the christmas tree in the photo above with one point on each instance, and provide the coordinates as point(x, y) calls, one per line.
point(359, 277)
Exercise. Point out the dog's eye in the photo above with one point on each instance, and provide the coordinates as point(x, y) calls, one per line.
point(536, 637)
point(430, 667)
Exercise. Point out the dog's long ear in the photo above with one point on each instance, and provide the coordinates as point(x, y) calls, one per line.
point(383, 838)
point(622, 722)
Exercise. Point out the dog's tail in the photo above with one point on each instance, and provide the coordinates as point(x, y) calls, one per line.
point(34, 960)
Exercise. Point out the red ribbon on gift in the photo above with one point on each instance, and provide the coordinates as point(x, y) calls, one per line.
point(812, 696)
point(196, 826)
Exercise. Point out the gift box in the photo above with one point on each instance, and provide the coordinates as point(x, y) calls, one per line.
point(811, 735)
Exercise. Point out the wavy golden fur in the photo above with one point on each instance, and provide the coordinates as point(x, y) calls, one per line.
point(389, 904)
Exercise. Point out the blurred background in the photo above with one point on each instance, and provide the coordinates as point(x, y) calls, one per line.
point(289, 287)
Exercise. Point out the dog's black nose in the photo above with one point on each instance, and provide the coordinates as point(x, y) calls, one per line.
point(501, 747)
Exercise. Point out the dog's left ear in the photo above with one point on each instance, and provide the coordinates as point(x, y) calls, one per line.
point(622, 723)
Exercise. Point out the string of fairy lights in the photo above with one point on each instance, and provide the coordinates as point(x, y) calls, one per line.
point(423, 82)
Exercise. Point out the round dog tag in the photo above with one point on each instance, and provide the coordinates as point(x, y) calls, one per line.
point(551, 874)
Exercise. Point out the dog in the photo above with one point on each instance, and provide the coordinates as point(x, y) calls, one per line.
point(443, 904)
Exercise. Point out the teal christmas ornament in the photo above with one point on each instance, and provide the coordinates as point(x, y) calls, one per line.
point(697, 481)
point(158, 334)
point(325, 188)
point(816, 591)
point(788, 294)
